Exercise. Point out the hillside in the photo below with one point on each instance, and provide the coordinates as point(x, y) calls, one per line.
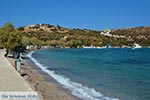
point(46, 34)
point(140, 35)
point(43, 28)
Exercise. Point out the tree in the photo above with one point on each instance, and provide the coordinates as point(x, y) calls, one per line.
point(3, 36)
point(26, 41)
point(14, 42)
point(10, 38)
point(75, 43)
point(8, 26)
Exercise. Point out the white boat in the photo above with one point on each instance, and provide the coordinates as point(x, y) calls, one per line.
point(136, 46)
point(108, 46)
point(88, 47)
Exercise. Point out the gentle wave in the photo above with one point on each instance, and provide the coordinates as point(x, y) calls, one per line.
point(77, 89)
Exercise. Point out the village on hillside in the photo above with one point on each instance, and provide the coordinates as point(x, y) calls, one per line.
point(49, 36)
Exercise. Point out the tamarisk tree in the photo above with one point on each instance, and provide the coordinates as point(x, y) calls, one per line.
point(10, 38)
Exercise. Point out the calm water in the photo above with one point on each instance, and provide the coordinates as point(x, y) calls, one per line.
point(99, 74)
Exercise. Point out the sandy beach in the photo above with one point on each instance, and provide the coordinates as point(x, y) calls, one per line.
point(47, 87)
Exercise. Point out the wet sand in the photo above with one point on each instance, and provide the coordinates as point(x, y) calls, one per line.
point(46, 86)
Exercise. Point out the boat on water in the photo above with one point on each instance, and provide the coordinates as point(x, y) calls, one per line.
point(108, 46)
point(136, 46)
point(88, 47)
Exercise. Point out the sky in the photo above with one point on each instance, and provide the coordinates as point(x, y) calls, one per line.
point(88, 14)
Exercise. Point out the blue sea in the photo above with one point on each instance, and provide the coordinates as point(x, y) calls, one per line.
point(98, 74)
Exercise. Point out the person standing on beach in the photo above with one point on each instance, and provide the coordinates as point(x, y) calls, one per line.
point(6, 54)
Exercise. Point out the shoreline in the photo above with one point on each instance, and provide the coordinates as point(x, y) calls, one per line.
point(41, 82)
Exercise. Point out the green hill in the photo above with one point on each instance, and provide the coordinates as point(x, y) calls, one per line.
point(140, 35)
point(56, 36)
point(46, 34)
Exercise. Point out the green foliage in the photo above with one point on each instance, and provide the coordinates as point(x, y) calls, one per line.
point(140, 35)
point(14, 41)
point(26, 41)
point(8, 26)
point(58, 36)
point(3, 36)
point(10, 38)
point(75, 43)
point(79, 37)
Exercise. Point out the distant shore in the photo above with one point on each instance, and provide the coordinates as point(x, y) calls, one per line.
point(47, 87)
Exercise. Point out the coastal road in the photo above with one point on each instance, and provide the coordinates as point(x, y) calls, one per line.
point(10, 79)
